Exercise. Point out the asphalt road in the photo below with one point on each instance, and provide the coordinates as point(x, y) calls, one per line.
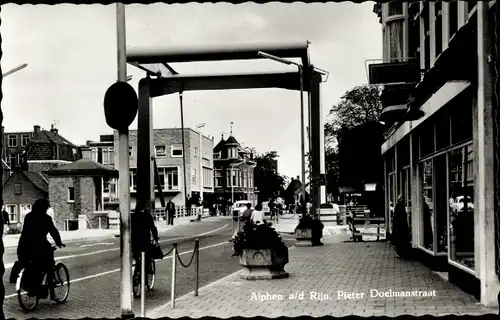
point(95, 278)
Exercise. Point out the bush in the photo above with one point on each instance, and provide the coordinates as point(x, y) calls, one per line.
point(309, 222)
point(256, 237)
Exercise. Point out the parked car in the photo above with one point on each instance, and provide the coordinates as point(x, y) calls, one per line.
point(239, 207)
point(458, 205)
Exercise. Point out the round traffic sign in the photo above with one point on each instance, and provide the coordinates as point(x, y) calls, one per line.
point(120, 105)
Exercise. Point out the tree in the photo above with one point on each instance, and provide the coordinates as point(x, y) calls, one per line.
point(358, 107)
point(267, 179)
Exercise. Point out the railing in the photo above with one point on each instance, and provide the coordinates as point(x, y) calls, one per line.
point(175, 257)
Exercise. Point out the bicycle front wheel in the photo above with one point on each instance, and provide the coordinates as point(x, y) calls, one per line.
point(61, 283)
point(136, 282)
point(151, 275)
point(26, 295)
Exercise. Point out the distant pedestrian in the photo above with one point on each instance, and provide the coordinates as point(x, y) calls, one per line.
point(247, 214)
point(401, 230)
point(170, 212)
point(6, 221)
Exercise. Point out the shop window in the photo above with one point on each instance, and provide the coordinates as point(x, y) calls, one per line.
point(390, 161)
point(441, 203)
point(427, 205)
point(442, 130)
point(461, 121)
point(461, 202)
point(426, 139)
point(406, 193)
point(392, 198)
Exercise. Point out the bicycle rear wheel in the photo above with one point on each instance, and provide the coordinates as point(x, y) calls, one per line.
point(151, 275)
point(27, 300)
point(61, 283)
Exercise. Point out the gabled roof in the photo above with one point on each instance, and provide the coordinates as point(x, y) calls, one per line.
point(36, 178)
point(232, 141)
point(84, 167)
point(219, 145)
point(45, 136)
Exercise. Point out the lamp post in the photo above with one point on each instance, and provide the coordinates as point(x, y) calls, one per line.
point(16, 69)
point(302, 133)
point(123, 166)
point(198, 127)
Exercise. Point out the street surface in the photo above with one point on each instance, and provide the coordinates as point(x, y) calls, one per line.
point(95, 278)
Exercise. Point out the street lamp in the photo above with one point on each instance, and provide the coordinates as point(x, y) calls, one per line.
point(198, 127)
point(302, 133)
point(14, 70)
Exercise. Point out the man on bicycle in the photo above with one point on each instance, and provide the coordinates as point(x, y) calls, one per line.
point(33, 245)
point(143, 227)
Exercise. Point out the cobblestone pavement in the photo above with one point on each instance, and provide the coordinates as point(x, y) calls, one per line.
point(323, 275)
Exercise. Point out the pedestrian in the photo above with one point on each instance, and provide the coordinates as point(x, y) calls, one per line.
point(6, 222)
point(199, 209)
point(170, 212)
point(257, 216)
point(400, 229)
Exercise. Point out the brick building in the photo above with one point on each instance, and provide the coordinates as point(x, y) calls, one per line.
point(20, 191)
point(168, 154)
point(76, 190)
point(102, 151)
point(233, 171)
point(14, 146)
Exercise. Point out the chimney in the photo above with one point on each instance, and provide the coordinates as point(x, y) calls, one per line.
point(53, 129)
point(36, 129)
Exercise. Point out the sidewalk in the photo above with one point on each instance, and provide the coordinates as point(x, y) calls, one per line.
point(90, 234)
point(337, 279)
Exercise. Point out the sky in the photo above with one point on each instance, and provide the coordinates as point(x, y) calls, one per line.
point(72, 60)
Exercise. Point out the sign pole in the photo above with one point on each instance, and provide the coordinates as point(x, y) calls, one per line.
point(124, 176)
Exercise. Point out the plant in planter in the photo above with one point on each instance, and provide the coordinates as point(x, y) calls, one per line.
point(309, 232)
point(263, 253)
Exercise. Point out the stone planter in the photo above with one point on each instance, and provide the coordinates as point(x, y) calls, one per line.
point(308, 237)
point(304, 237)
point(264, 264)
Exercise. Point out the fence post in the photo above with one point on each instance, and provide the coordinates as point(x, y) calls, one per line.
point(174, 260)
point(197, 244)
point(143, 284)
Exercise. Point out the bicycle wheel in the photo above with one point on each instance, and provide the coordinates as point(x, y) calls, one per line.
point(27, 300)
point(61, 283)
point(151, 275)
point(136, 282)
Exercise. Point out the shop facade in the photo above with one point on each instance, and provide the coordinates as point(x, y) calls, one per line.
point(439, 153)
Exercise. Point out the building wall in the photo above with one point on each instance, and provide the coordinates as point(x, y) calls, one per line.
point(84, 202)
point(29, 193)
point(172, 138)
point(450, 161)
point(9, 153)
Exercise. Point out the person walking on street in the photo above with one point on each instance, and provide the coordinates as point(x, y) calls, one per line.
point(170, 212)
point(199, 210)
point(401, 230)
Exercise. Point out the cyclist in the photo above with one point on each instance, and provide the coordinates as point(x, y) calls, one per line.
point(33, 245)
point(143, 226)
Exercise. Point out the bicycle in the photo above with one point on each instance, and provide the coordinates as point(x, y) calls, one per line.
point(150, 276)
point(23, 282)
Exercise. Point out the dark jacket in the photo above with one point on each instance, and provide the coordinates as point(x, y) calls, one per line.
point(33, 241)
point(5, 218)
point(143, 226)
point(170, 207)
